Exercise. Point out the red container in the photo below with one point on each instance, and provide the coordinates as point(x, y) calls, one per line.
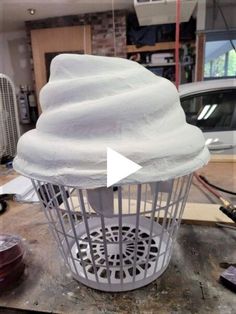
point(11, 259)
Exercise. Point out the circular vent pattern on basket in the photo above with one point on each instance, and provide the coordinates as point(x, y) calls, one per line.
point(144, 259)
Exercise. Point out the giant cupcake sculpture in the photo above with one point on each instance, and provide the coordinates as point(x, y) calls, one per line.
point(91, 103)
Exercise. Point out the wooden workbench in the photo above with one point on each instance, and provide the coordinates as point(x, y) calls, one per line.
point(190, 284)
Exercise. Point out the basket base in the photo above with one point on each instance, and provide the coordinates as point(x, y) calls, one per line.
point(142, 261)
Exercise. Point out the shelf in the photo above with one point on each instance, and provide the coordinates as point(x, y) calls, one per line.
point(158, 64)
point(156, 47)
point(164, 64)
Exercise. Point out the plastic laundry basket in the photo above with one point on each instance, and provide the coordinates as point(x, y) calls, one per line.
point(115, 239)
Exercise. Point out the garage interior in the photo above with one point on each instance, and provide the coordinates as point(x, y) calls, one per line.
point(167, 235)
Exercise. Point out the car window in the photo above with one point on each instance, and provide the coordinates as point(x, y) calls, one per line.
point(211, 111)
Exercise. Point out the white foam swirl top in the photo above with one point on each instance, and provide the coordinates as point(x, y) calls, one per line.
point(91, 103)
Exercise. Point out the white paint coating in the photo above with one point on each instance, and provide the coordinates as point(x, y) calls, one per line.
point(92, 103)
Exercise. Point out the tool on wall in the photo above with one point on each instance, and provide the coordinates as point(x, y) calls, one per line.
point(27, 106)
point(23, 104)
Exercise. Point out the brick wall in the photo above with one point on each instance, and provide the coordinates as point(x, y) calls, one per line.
point(101, 28)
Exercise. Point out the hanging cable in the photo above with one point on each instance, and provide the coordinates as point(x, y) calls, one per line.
point(228, 208)
point(206, 186)
point(177, 43)
point(114, 27)
point(215, 186)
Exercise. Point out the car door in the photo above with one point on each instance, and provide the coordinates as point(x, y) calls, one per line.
point(214, 112)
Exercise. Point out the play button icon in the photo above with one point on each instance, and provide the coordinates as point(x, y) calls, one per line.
point(119, 167)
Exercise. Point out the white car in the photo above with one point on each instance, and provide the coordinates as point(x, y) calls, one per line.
point(211, 105)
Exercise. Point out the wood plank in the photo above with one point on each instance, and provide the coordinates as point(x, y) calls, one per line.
point(157, 47)
point(204, 214)
point(223, 158)
point(200, 53)
point(194, 213)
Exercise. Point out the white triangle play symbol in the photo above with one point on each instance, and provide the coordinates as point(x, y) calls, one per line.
point(119, 167)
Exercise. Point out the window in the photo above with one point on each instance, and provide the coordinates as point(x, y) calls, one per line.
point(220, 59)
point(211, 111)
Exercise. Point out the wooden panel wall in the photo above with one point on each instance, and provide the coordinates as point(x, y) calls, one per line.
point(73, 38)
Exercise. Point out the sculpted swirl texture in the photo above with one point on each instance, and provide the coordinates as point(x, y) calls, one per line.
point(91, 103)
